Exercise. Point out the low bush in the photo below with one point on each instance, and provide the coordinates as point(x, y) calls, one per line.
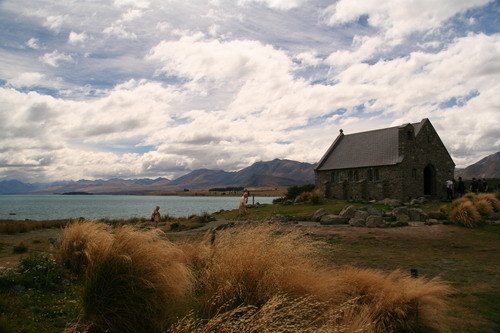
point(465, 213)
point(294, 191)
point(204, 218)
point(39, 271)
point(20, 248)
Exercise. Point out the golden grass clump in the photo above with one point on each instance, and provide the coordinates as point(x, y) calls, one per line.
point(252, 263)
point(80, 242)
point(395, 302)
point(492, 199)
point(465, 213)
point(483, 207)
point(139, 285)
point(279, 314)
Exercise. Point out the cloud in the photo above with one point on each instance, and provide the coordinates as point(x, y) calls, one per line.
point(394, 22)
point(55, 58)
point(54, 22)
point(28, 79)
point(33, 43)
point(275, 4)
point(75, 38)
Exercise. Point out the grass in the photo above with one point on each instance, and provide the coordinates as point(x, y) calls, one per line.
point(453, 253)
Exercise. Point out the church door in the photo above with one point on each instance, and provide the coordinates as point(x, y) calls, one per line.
point(429, 180)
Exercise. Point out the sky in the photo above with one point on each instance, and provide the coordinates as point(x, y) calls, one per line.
point(147, 88)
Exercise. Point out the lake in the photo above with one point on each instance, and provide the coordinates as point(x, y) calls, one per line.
point(47, 207)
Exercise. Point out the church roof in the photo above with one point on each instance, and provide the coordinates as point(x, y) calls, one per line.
point(365, 149)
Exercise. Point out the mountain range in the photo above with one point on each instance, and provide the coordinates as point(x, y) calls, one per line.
point(488, 167)
point(272, 173)
point(275, 173)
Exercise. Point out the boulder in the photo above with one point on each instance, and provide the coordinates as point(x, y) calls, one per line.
point(417, 214)
point(431, 222)
point(421, 200)
point(361, 214)
point(331, 219)
point(348, 212)
point(374, 211)
point(280, 218)
point(320, 213)
point(374, 221)
point(401, 211)
point(414, 202)
point(390, 202)
point(402, 218)
point(398, 224)
point(355, 222)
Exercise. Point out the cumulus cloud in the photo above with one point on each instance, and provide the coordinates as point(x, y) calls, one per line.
point(162, 90)
point(77, 38)
point(27, 79)
point(395, 21)
point(55, 58)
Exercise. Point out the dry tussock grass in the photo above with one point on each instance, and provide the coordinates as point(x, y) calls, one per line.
point(80, 242)
point(139, 285)
point(492, 199)
point(483, 207)
point(465, 212)
point(252, 278)
point(278, 315)
point(395, 302)
point(250, 264)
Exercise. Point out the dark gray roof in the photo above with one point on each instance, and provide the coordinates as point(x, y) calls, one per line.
point(365, 149)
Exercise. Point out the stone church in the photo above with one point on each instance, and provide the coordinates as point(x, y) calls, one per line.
point(402, 162)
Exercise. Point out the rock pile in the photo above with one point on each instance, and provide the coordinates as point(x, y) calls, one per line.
point(372, 217)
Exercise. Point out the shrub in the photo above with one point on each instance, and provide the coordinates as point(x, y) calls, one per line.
point(20, 248)
point(80, 242)
point(484, 207)
point(304, 197)
point(39, 271)
point(294, 191)
point(315, 197)
point(205, 218)
point(465, 213)
point(492, 199)
point(139, 285)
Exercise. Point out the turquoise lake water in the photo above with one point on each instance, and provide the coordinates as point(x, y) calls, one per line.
point(41, 207)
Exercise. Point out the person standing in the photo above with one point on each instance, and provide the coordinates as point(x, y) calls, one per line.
point(449, 189)
point(242, 210)
point(473, 185)
point(484, 186)
point(460, 187)
point(156, 216)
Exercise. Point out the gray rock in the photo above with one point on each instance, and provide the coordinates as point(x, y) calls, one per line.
point(374, 211)
point(361, 214)
point(390, 202)
point(421, 200)
point(401, 211)
point(398, 224)
point(417, 214)
point(280, 218)
point(348, 212)
point(431, 222)
point(320, 213)
point(331, 219)
point(414, 202)
point(374, 221)
point(355, 222)
point(402, 218)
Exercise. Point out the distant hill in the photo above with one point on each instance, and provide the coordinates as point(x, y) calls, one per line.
point(272, 173)
point(488, 167)
point(15, 187)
